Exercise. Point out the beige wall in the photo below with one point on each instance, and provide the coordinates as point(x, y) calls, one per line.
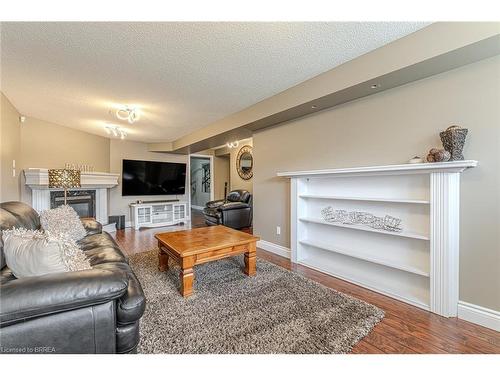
point(47, 145)
point(390, 128)
point(120, 150)
point(221, 175)
point(10, 149)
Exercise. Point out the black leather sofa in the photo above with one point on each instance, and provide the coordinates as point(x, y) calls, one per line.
point(235, 211)
point(91, 311)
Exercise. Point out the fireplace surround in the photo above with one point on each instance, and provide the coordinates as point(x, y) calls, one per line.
point(93, 184)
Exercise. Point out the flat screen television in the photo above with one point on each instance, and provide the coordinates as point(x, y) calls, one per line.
point(141, 177)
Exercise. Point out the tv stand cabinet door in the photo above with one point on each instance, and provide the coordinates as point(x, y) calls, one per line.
point(143, 216)
point(180, 212)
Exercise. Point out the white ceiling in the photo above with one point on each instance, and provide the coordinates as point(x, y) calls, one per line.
point(183, 76)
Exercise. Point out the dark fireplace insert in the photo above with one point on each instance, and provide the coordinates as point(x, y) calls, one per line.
point(82, 201)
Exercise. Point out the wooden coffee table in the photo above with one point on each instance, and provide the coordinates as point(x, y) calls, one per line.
point(200, 245)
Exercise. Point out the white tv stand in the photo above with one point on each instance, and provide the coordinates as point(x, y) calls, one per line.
point(158, 214)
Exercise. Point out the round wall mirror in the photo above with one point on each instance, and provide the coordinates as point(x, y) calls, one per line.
point(244, 163)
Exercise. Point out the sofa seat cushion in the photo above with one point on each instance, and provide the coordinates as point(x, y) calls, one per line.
point(101, 248)
point(131, 305)
point(97, 240)
point(103, 254)
point(212, 211)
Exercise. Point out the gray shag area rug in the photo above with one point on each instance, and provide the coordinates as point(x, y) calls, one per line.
point(276, 311)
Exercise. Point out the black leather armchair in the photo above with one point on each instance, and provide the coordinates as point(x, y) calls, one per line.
point(90, 311)
point(235, 211)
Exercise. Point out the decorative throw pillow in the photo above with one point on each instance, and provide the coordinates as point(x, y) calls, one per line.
point(63, 219)
point(35, 253)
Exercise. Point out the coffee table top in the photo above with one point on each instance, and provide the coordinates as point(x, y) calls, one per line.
point(200, 240)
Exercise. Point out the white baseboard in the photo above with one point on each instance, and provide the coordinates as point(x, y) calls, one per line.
point(273, 248)
point(479, 315)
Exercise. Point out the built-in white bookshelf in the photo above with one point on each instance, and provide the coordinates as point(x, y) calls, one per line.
point(419, 264)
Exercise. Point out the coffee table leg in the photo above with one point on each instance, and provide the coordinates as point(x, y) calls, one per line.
point(162, 260)
point(251, 259)
point(187, 276)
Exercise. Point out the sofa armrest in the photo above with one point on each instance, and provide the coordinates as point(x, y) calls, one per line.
point(91, 226)
point(233, 206)
point(32, 297)
point(214, 204)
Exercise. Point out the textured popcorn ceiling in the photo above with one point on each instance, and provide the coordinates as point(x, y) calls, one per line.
point(182, 75)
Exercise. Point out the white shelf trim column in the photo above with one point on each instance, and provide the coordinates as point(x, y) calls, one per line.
point(445, 229)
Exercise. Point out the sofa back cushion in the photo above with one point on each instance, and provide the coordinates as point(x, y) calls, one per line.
point(16, 215)
point(239, 196)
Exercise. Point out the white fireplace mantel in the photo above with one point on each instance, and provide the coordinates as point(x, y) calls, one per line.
point(418, 265)
point(38, 180)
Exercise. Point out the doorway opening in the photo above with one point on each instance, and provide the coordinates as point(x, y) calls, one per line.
point(201, 180)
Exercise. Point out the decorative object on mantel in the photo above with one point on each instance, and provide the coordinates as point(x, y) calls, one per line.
point(438, 155)
point(388, 223)
point(416, 160)
point(79, 167)
point(64, 178)
point(453, 139)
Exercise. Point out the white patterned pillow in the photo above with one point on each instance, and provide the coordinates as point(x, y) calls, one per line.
point(63, 219)
point(35, 253)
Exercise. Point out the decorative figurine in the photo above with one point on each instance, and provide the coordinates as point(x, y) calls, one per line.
point(453, 140)
point(436, 155)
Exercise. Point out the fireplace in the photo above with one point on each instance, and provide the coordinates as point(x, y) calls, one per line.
point(82, 201)
point(93, 184)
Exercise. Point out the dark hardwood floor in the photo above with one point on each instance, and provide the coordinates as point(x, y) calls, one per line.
point(405, 328)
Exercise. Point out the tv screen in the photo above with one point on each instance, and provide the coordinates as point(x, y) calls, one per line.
point(153, 178)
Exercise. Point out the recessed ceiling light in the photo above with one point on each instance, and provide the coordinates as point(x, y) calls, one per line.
point(375, 86)
point(314, 106)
